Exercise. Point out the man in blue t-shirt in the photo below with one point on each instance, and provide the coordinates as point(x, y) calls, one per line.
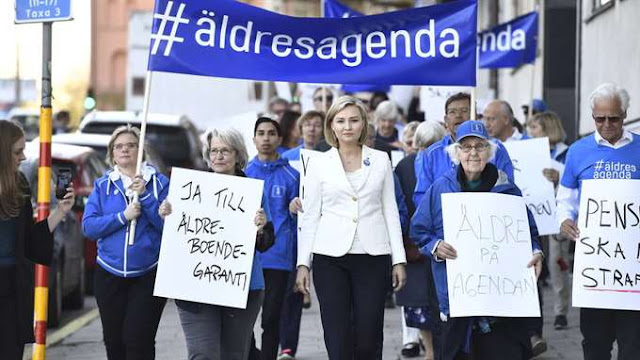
point(434, 162)
point(601, 156)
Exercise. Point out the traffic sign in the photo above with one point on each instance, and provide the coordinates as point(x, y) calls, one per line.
point(33, 11)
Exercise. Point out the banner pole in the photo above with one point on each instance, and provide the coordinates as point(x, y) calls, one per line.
point(472, 110)
point(143, 132)
point(532, 90)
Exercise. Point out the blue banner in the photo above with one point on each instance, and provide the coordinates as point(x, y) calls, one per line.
point(433, 45)
point(510, 44)
point(335, 9)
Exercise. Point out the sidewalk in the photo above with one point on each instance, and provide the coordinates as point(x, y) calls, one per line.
point(86, 343)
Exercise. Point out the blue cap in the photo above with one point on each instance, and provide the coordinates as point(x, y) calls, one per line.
point(539, 105)
point(471, 128)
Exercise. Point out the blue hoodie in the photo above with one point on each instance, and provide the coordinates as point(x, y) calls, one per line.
point(104, 222)
point(281, 185)
point(427, 227)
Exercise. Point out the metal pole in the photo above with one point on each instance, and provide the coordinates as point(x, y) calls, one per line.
point(143, 132)
point(44, 194)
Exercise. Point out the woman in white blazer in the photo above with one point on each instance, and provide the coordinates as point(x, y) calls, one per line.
point(350, 226)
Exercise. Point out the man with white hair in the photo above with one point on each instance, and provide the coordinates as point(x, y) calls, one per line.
point(589, 158)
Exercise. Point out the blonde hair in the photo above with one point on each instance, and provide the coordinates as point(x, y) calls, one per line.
point(551, 125)
point(124, 129)
point(342, 103)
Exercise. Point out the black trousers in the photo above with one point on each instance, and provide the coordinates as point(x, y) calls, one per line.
point(291, 316)
point(351, 291)
point(601, 327)
point(130, 314)
point(275, 282)
point(11, 347)
point(507, 340)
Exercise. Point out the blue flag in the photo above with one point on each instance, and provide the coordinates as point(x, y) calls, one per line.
point(510, 44)
point(433, 45)
point(335, 9)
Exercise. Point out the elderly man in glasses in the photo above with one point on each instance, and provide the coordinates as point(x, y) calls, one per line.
point(590, 158)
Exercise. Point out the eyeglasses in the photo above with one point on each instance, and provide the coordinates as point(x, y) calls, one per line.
point(612, 119)
point(129, 145)
point(460, 111)
point(478, 148)
point(225, 152)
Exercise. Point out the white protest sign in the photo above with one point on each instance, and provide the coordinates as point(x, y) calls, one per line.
point(208, 241)
point(490, 233)
point(606, 271)
point(529, 158)
point(306, 161)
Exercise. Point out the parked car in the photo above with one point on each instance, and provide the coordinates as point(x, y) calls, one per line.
point(71, 274)
point(174, 137)
point(28, 118)
point(99, 143)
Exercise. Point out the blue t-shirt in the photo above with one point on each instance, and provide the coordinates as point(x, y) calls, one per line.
point(586, 159)
point(292, 154)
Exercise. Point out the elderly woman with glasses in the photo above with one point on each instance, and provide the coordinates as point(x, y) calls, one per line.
point(217, 332)
point(469, 337)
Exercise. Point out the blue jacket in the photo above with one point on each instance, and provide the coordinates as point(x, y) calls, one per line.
point(427, 227)
point(434, 162)
point(104, 222)
point(402, 205)
point(281, 185)
point(293, 154)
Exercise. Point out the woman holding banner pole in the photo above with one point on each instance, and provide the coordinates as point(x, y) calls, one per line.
point(470, 337)
point(125, 275)
point(351, 228)
point(215, 332)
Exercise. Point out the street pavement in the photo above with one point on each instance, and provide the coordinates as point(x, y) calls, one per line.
point(86, 342)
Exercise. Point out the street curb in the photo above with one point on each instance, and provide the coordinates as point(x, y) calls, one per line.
point(60, 334)
point(71, 327)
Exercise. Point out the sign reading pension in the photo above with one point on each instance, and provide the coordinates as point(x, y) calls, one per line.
point(529, 158)
point(607, 261)
point(490, 233)
point(433, 45)
point(208, 241)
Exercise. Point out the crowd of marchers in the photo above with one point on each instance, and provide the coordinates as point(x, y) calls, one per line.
point(366, 234)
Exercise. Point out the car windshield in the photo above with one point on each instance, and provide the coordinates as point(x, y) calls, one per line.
point(169, 141)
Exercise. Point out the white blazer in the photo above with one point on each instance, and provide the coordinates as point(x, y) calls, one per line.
point(333, 211)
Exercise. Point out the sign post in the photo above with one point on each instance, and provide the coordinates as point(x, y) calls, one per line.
point(44, 11)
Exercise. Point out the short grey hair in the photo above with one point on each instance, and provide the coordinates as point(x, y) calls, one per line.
point(427, 133)
point(386, 110)
point(506, 109)
point(610, 91)
point(233, 138)
point(452, 150)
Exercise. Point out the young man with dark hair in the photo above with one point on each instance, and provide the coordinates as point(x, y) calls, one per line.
point(281, 182)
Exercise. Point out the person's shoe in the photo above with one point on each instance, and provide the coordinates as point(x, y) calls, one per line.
point(538, 345)
point(286, 354)
point(560, 322)
point(410, 350)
